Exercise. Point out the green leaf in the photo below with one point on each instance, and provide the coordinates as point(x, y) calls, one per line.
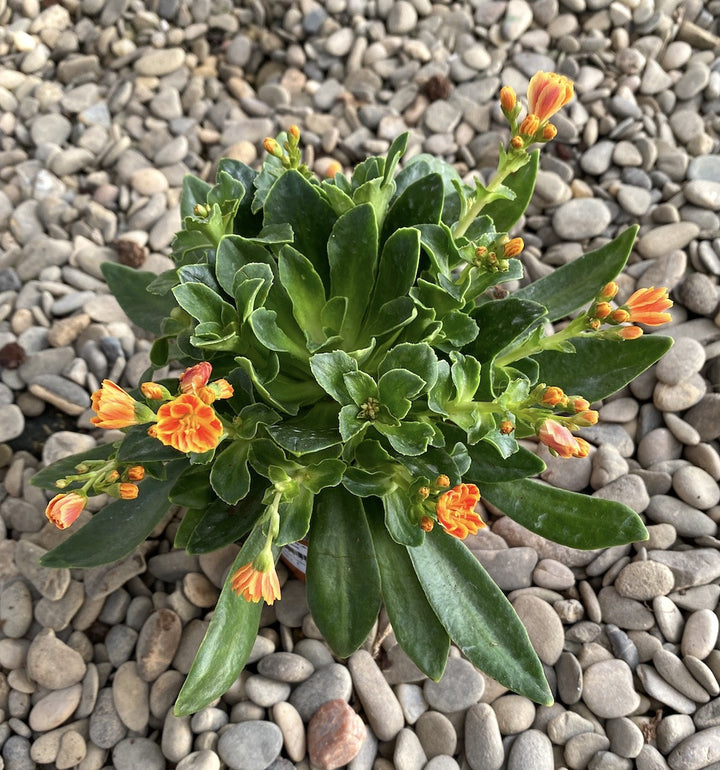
point(230, 477)
point(506, 213)
point(439, 244)
point(343, 583)
point(408, 438)
point(420, 203)
point(316, 430)
point(416, 626)
point(402, 525)
point(225, 648)
point(233, 253)
point(187, 525)
point(396, 388)
point(326, 473)
point(360, 386)
point(194, 191)
point(349, 423)
point(364, 483)
point(221, 524)
point(116, 530)
point(502, 322)
point(202, 302)
point(46, 478)
point(394, 153)
point(578, 282)
point(418, 358)
point(424, 164)
point(329, 370)
point(396, 271)
point(352, 254)
point(130, 289)
point(138, 447)
point(478, 617)
point(306, 293)
point(295, 517)
point(487, 466)
point(600, 367)
point(192, 489)
point(270, 333)
point(568, 518)
point(293, 200)
point(250, 287)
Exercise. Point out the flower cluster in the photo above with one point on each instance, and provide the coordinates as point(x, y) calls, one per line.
point(185, 422)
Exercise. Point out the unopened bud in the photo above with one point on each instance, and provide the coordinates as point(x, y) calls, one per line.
point(508, 99)
point(620, 316)
point(112, 477)
point(426, 524)
point(530, 126)
point(334, 167)
point(61, 483)
point(554, 396)
point(513, 247)
point(603, 310)
point(517, 143)
point(630, 332)
point(506, 427)
point(609, 290)
point(549, 132)
point(128, 491)
point(589, 417)
point(442, 481)
point(294, 132)
point(582, 449)
point(136, 473)
point(580, 404)
point(272, 147)
point(424, 492)
point(154, 391)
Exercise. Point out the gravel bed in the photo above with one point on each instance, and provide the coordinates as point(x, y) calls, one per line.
point(104, 107)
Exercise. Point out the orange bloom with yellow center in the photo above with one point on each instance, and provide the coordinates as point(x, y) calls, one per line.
point(455, 511)
point(64, 508)
point(647, 306)
point(547, 93)
point(254, 584)
point(117, 409)
point(558, 439)
point(188, 425)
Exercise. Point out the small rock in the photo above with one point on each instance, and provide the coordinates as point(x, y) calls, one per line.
point(157, 643)
point(250, 745)
point(335, 735)
point(379, 701)
point(608, 689)
point(644, 580)
point(543, 626)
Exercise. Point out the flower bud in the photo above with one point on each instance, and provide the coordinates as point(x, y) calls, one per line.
point(553, 396)
point(508, 99)
point(580, 404)
point(609, 290)
point(517, 142)
point(128, 491)
point(426, 524)
point(630, 332)
point(530, 126)
point(294, 132)
point(424, 492)
point(154, 391)
point(513, 247)
point(549, 132)
point(442, 481)
point(506, 427)
point(136, 473)
point(603, 310)
point(334, 167)
point(620, 316)
point(272, 147)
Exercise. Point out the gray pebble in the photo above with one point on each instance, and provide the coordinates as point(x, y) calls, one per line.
point(581, 218)
point(644, 580)
point(672, 729)
point(157, 643)
point(379, 702)
point(699, 750)
point(408, 754)
point(669, 618)
point(656, 687)
point(608, 689)
point(543, 626)
point(666, 238)
point(251, 745)
point(580, 749)
point(696, 487)
point(700, 634)
point(285, 667)
point(531, 749)
point(266, 692)
point(673, 671)
point(626, 738)
point(514, 713)
point(625, 613)
point(328, 683)
point(205, 759)
point(691, 568)
point(436, 733)
point(687, 521)
point(16, 610)
point(483, 742)
point(106, 728)
point(42, 656)
point(177, 738)
point(138, 752)
point(510, 568)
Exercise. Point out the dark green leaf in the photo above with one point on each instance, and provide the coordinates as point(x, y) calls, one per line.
point(225, 648)
point(399, 519)
point(316, 430)
point(397, 270)
point(130, 289)
point(478, 617)
point(506, 213)
point(306, 293)
point(414, 623)
point(396, 388)
point(417, 358)
point(116, 530)
point(488, 466)
point(565, 517)
point(189, 521)
point(194, 191)
point(352, 254)
point(202, 302)
point(343, 584)
point(408, 438)
point(235, 252)
point(295, 517)
point(230, 477)
point(328, 370)
point(420, 203)
point(138, 447)
point(424, 164)
point(578, 282)
point(192, 489)
point(501, 322)
point(394, 153)
point(600, 367)
point(293, 200)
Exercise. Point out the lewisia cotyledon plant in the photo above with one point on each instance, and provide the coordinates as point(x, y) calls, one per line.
point(355, 376)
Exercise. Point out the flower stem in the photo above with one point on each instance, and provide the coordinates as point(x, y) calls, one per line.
point(532, 345)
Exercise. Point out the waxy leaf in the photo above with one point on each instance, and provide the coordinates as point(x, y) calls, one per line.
point(418, 358)
point(130, 289)
point(401, 523)
point(505, 213)
point(203, 303)
point(232, 630)
point(502, 322)
point(414, 623)
point(295, 517)
point(420, 203)
point(477, 616)
point(306, 293)
point(578, 282)
point(120, 526)
point(194, 191)
point(397, 269)
point(487, 466)
point(568, 518)
point(230, 477)
point(343, 584)
point(396, 388)
point(600, 367)
point(329, 370)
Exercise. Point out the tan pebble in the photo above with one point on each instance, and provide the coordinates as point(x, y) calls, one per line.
point(66, 330)
point(157, 643)
point(130, 696)
point(72, 750)
point(199, 590)
point(52, 710)
point(148, 181)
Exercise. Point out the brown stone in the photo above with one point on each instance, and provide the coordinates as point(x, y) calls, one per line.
point(157, 643)
point(335, 735)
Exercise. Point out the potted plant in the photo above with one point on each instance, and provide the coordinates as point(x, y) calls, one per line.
point(356, 378)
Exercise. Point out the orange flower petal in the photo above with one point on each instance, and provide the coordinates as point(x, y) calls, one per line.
point(64, 508)
point(255, 585)
point(188, 425)
point(547, 93)
point(114, 407)
point(455, 511)
point(558, 438)
point(647, 306)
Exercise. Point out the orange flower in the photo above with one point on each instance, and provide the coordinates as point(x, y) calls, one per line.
point(188, 425)
point(558, 439)
point(117, 409)
point(513, 247)
point(195, 377)
point(254, 584)
point(455, 511)
point(580, 404)
point(136, 473)
point(508, 99)
point(583, 449)
point(646, 306)
point(64, 508)
point(547, 93)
